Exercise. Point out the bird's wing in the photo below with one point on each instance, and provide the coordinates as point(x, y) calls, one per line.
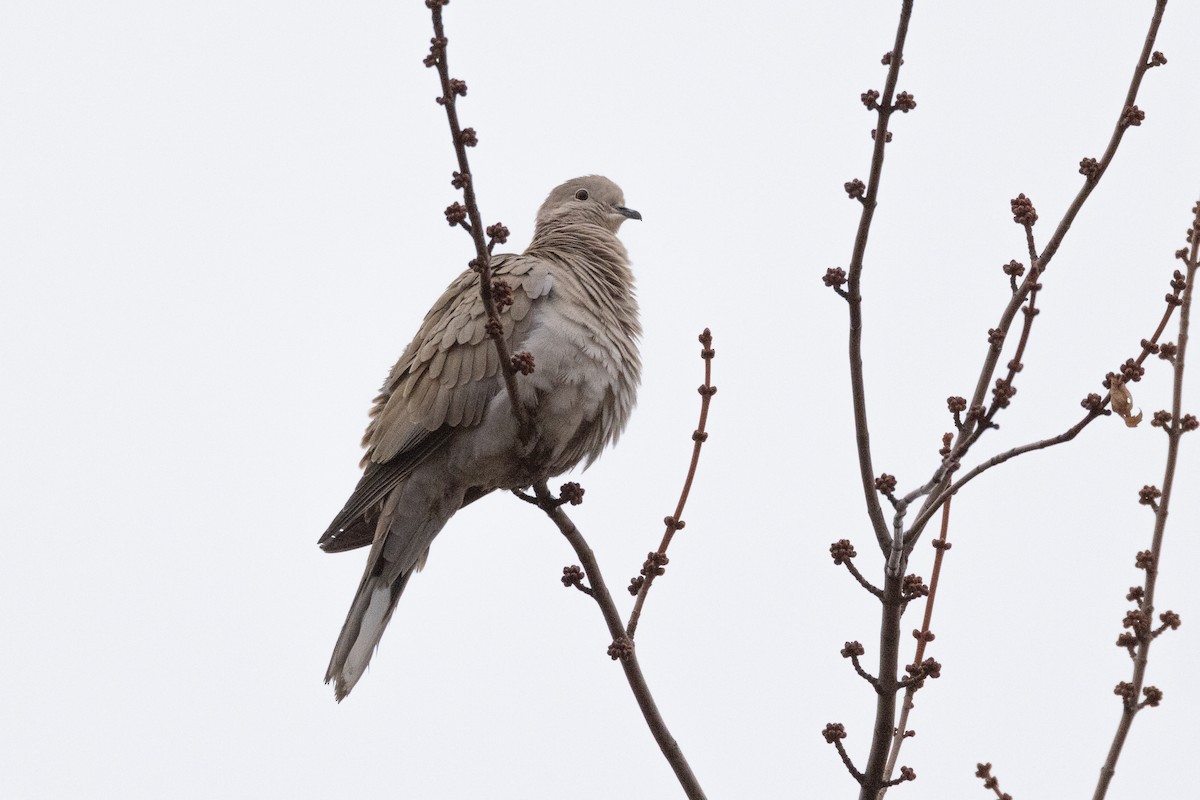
point(442, 383)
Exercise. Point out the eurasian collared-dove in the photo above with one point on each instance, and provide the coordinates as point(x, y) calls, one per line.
point(442, 431)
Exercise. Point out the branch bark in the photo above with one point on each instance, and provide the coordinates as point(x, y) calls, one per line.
point(1130, 705)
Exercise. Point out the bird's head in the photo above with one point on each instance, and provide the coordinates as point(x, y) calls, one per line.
point(592, 198)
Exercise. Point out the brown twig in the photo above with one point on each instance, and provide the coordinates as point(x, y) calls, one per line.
point(656, 562)
point(1150, 562)
point(866, 584)
point(991, 782)
point(622, 647)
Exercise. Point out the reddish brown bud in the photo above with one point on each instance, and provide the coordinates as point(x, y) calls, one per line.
point(1014, 269)
point(620, 648)
point(905, 102)
point(571, 492)
point(842, 551)
point(523, 363)
point(498, 232)
point(572, 576)
point(1132, 116)
point(834, 731)
point(835, 277)
point(1023, 210)
point(456, 213)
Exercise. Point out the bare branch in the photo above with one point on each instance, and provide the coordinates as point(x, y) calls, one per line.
point(1095, 404)
point(622, 648)
point(1150, 561)
point(868, 197)
point(1092, 171)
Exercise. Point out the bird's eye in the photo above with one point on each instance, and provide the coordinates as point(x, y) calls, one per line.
point(582, 194)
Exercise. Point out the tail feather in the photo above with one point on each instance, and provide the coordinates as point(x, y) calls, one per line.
point(368, 618)
point(408, 521)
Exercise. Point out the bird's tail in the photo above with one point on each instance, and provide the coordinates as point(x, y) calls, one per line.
point(369, 614)
point(409, 519)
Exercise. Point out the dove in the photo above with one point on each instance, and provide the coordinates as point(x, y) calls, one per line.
point(442, 431)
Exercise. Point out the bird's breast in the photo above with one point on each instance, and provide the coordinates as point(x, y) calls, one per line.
point(583, 384)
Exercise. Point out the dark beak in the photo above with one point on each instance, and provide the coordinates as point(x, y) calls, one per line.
point(627, 212)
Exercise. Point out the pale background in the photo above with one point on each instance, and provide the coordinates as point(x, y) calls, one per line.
point(220, 222)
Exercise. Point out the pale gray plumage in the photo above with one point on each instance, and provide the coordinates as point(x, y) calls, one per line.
point(442, 432)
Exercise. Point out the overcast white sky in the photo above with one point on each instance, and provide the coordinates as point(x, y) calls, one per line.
point(220, 222)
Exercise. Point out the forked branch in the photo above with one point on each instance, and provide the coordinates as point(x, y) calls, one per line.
point(467, 216)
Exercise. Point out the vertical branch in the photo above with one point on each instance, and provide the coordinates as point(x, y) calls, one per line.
point(889, 628)
point(1140, 620)
point(462, 138)
point(884, 107)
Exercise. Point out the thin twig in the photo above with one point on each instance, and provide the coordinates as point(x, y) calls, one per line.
point(1149, 346)
point(990, 781)
point(841, 749)
point(862, 673)
point(1136, 687)
point(866, 584)
point(656, 564)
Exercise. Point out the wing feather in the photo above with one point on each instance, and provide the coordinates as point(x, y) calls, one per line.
point(446, 376)
point(436, 363)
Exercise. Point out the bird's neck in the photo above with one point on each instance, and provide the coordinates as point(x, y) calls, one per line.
point(595, 259)
point(589, 248)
